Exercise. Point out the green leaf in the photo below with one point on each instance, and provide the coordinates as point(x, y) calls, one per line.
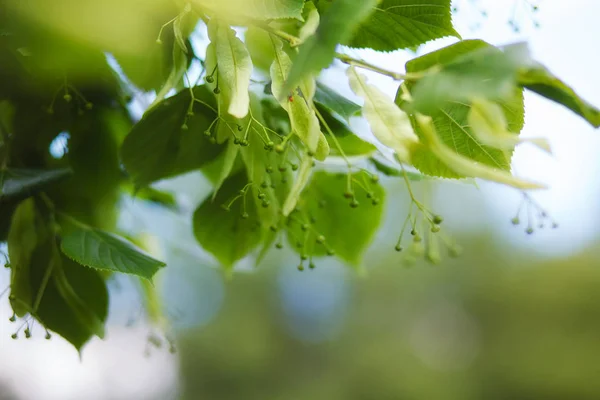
point(157, 147)
point(338, 23)
point(226, 234)
point(450, 118)
point(348, 141)
point(22, 240)
point(403, 24)
point(254, 9)
point(311, 24)
point(159, 197)
point(229, 159)
point(298, 104)
point(18, 183)
point(335, 102)
point(233, 64)
point(107, 252)
point(260, 47)
point(299, 183)
point(394, 172)
point(467, 69)
point(464, 166)
point(348, 231)
point(389, 124)
point(63, 296)
point(74, 303)
point(541, 81)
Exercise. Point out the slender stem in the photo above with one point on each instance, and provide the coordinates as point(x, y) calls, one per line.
point(363, 64)
point(330, 132)
point(291, 39)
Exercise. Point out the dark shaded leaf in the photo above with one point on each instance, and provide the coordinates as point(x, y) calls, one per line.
point(348, 231)
point(335, 102)
point(158, 147)
point(18, 183)
point(544, 83)
point(105, 251)
point(226, 234)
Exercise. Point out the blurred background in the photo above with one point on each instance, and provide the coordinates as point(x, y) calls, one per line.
point(515, 317)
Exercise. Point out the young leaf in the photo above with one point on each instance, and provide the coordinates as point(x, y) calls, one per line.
point(347, 231)
point(258, 43)
point(107, 252)
point(463, 165)
point(349, 143)
point(389, 124)
point(225, 233)
point(403, 24)
point(298, 103)
point(157, 147)
point(541, 81)
point(233, 68)
point(312, 21)
point(488, 124)
point(337, 25)
point(18, 183)
point(301, 181)
point(335, 102)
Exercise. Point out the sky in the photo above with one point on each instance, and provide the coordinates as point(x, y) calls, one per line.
point(565, 42)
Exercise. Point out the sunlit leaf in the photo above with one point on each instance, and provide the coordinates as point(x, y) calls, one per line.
point(298, 103)
point(450, 117)
point(389, 124)
point(337, 25)
point(254, 9)
point(403, 24)
point(233, 64)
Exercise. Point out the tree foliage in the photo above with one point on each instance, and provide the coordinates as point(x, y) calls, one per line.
point(261, 126)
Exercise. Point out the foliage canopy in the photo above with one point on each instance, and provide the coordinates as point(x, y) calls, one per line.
point(261, 126)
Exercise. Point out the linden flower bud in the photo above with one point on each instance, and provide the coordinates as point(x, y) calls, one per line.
point(300, 267)
point(210, 79)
